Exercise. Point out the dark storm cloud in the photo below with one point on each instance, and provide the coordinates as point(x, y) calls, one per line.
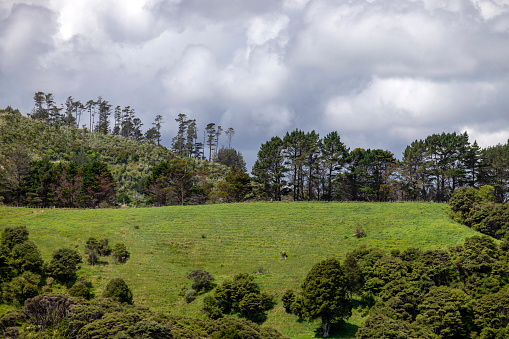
point(382, 73)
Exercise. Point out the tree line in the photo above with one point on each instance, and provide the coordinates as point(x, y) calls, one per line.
point(73, 113)
point(303, 166)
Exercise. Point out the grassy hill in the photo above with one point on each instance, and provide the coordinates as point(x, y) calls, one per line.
point(166, 243)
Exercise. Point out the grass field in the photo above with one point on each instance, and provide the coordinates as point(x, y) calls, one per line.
point(166, 243)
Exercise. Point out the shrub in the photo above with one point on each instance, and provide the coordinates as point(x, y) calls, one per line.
point(120, 252)
point(190, 295)
point(287, 299)
point(12, 236)
point(211, 308)
point(202, 280)
point(149, 329)
point(80, 290)
point(228, 333)
point(64, 264)
point(240, 295)
point(359, 232)
point(118, 290)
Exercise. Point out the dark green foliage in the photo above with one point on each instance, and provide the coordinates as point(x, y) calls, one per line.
point(228, 333)
point(149, 329)
point(324, 293)
point(269, 168)
point(97, 186)
point(288, 299)
point(236, 186)
point(456, 293)
point(445, 311)
point(118, 290)
point(120, 252)
point(26, 257)
point(12, 236)
point(212, 308)
point(477, 208)
point(64, 264)
point(173, 183)
point(492, 310)
point(79, 289)
point(240, 295)
point(10, 323)
point(383, 327)
point(230, 157)
point(202, 280)
point(21, 288)
point(95, 248)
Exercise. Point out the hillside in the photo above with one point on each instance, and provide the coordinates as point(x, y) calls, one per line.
point(130, 161)
point(166, 243)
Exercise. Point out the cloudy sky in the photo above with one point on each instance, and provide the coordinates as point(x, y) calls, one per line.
point(380, 72)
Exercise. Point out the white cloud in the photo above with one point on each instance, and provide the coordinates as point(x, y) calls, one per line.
point(380, 72)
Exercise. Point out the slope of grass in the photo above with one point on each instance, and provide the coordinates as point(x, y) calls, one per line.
point(166, 243)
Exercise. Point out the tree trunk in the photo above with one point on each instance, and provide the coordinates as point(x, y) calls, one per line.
point(326, 327)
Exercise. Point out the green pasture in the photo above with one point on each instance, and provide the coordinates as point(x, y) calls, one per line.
point(166, 243)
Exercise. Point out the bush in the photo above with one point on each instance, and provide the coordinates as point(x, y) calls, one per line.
point(240, 295)
point(12, 236)
point(211, 308)
point(228, 333)
point(202, 280)
point(190, 295)
point(118, 290)
point(120, 252)
point(80, 290)
point(287, 299)
point(149, 329)
point(359, 232)
point(64, 264)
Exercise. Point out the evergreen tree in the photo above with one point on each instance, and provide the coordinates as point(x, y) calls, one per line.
point(324, 293)
point(334, 154)
point(269, 169)
point(104, 110)
point(211, 135)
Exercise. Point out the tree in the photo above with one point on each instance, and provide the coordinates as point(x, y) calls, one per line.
point(191, 149)
point(118, 290)
point(97, 185)
point(230, 157)
point(95, 248)
point(294, 151)
point(104, 110)
point(64, 264)
point(170, 182)
point(120, 252)
point(211, 135)
point(179, 141)
point(269, 169)
point(202, 280)
point(157, 124)
point(324, 293)
point(12, 236)
point(445, 311)
point(26, 257)
point(334, 154)
point(236, 185)
point(240, 295)
point(230, 132)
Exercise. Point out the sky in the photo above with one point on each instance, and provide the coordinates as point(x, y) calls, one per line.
point(382, 73)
